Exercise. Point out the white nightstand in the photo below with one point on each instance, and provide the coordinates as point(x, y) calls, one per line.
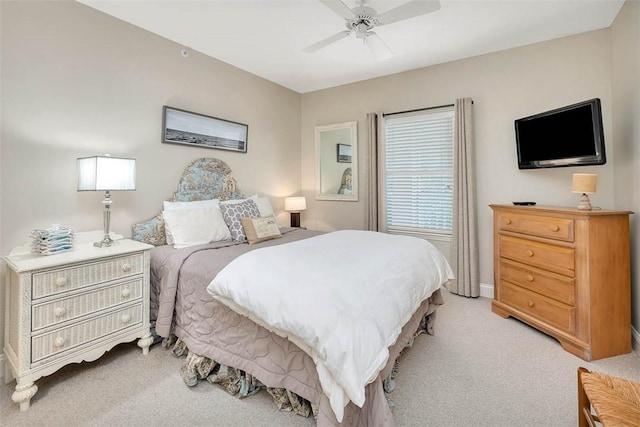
point(72, 307)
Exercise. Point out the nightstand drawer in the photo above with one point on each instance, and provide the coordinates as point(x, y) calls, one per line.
point(55, 281)
point(547, 310)
point(552, 228)
point(64, 309)
point(549, 284)
point(550, 257)
point(52, 343)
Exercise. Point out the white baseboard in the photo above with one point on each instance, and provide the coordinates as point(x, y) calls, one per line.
point(486, 291)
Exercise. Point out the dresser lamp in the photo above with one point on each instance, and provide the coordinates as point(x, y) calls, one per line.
point(106, 173)
point(585, 184)
point(295, 205)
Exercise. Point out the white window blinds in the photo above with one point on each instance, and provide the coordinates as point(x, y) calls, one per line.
point(419, 172)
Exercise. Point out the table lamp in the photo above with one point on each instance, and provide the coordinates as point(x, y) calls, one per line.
point(584, 183)
point(106, 173)
point(295, 205)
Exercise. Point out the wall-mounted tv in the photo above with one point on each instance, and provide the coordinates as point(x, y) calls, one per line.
point(567, 136)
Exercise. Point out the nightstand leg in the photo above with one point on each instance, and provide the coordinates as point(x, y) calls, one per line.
point(144, 343)
point(24, 393)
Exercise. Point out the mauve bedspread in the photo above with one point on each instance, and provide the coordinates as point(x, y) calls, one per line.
point(181, 305)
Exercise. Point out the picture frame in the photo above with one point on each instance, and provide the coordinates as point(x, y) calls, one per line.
point(344, 153)
point(199, 130)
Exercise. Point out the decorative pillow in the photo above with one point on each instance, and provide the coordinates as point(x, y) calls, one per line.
point(196, 226)
point(264, 205)
point(232, 212)
point(172, 206)
point(260, 229)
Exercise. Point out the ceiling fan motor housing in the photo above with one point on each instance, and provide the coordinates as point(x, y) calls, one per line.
point(365, 19)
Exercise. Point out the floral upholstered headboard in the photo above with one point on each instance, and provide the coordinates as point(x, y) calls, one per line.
point(202, 179)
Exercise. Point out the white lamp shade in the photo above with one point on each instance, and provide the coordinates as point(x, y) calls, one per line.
point(295, 204)
point(585, 183)
point(103, 173)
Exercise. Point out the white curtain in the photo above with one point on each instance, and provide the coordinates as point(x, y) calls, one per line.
point(372, 192)
point(464, 239)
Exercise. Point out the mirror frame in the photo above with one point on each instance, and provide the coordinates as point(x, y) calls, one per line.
point(353, 131)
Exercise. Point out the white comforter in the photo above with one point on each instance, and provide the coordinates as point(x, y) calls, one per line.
point(342, 297)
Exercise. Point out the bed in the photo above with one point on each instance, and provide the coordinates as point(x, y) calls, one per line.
point(239, 351)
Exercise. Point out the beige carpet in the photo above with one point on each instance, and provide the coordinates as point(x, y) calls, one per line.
point(479, 370)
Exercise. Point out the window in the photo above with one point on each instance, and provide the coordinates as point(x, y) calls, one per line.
point(418, 173)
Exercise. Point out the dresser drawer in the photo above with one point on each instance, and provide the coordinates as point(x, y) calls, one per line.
point(52, 343)
point(64, 309)
point(554, 258)
point(545, 309)
point(541, 226)
point(55, 281)
point(552, 285)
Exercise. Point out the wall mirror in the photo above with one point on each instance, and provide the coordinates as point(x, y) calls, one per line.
point(337, 162)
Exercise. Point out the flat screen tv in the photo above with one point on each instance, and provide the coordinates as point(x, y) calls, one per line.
point(567, 136)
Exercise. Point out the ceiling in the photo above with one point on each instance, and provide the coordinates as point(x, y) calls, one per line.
point(266, 37)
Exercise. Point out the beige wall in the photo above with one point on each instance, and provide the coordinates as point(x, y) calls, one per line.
point(76, 82)
point(504, 86)
point(625, 65)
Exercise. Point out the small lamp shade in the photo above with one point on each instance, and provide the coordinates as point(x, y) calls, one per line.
point(104, 173)
point(295, 204)
point(584, 183)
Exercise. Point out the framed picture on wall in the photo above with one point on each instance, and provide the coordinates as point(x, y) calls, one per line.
point(344, 153)
point(198, 130)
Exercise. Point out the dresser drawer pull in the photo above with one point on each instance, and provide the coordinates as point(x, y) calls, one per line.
point(529, 252)
point(530, 303)
point(507, 221)
point(60, 281)
point(555, 228)
point(126, 268)
point(126, 293)
point(529, 278)
point(59, 342)
point(126, 318)
point(59, 311)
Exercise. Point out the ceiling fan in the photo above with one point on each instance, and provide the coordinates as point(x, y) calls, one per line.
point(362, 19)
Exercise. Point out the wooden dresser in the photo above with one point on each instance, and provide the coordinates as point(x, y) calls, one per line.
point(565, 272)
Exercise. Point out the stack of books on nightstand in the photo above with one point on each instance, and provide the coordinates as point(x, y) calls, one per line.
point(52, 240)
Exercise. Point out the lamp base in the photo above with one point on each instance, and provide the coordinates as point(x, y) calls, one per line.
point(105, 242)
point(585, 203)
point(295, 219)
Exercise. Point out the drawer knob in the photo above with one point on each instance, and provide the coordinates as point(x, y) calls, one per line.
point(59, 311)
point(507, 221)
point(126, 318)
point(530, 303)
point(126, 268)
point(555, 228)
point(529, 252)
point(59, 342)
point(529, 278)
point(61, 281)
point(126, 293)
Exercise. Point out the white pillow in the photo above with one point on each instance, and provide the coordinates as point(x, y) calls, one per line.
point(172, 206)
point(264, 205)
point(196, 226)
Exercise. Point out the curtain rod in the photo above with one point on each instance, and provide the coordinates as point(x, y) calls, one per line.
point(419, 109)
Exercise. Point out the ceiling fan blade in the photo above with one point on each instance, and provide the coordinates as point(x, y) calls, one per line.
point(379, 48)
point(325, 42)
point(408, 10)
point(338, 7)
